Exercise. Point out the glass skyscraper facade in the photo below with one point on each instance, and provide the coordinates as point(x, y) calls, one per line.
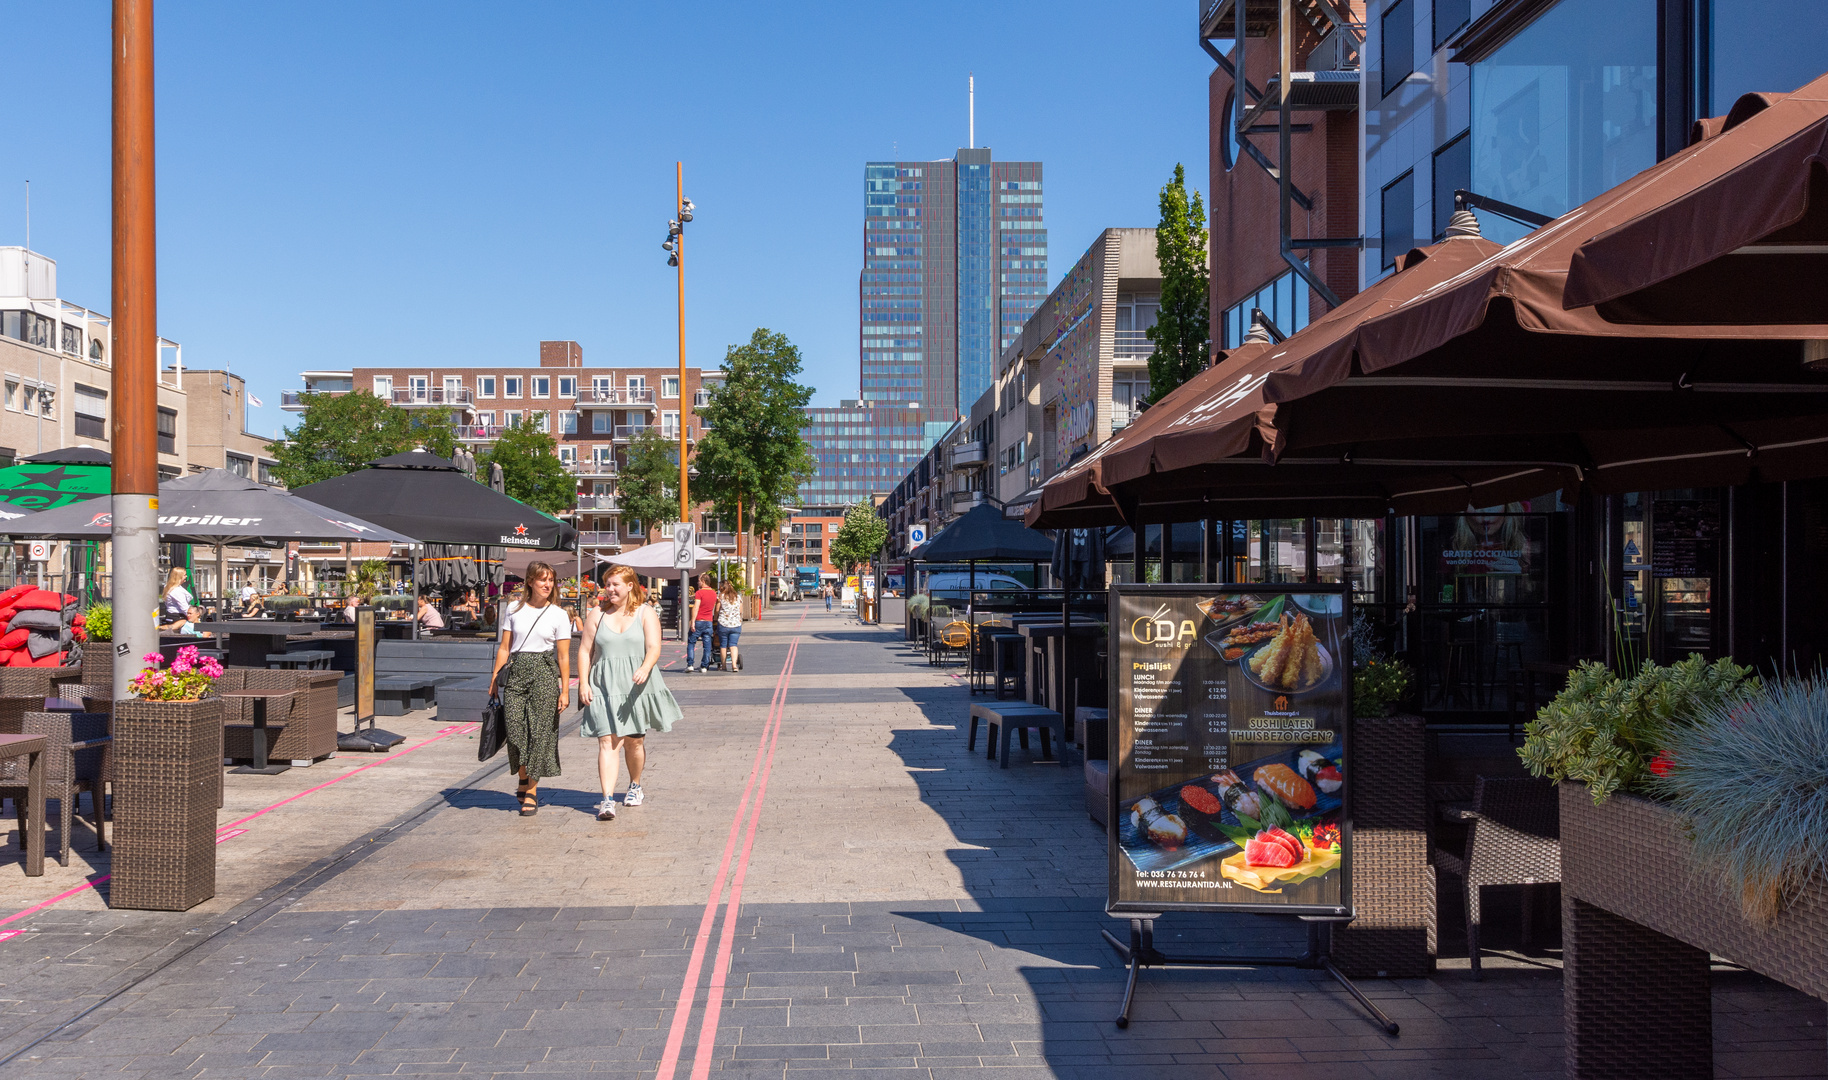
point(954, 263)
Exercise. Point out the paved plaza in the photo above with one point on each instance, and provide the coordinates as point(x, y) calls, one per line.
point(896, 907)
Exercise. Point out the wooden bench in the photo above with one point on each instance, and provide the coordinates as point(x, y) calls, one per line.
point(295, 659)
point(398, 695)
point(458, 671)
point(1005, 718)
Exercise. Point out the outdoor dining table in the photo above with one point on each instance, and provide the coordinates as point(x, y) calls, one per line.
point(1045, 659)
point(250, 640)
point(31, 834)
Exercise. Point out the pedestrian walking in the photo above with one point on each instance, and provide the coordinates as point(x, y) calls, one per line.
point(730, 625)
point(825, 591)
point(621, 689)
point(704, 610)
point(532, 673)
point(175, 601)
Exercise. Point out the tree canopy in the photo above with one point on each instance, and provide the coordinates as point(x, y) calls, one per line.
point(753, 450)
point(859, 538)
point(341, 433)
point(530, 467)
point(648, 488)
point(1183, 327)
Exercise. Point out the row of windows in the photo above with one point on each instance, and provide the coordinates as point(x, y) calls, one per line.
point(44, 332)
point(1450, 170)
point(538, 386)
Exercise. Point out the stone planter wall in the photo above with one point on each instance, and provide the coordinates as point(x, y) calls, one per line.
point(1640, 918)
point(167, 763)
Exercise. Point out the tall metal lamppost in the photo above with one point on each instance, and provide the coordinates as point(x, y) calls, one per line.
point(675, 249)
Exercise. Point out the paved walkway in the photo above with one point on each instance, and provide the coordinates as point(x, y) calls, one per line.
point(895, 908)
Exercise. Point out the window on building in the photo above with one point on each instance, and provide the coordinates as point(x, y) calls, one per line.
point(1232, 149)
point(1284, 301)
point(568, 423)
point(511, 418)
point(605, 455)
point(542, 386)
point(669, 386)
point(384, 387)
point(168, 431)
point(1453, 171)
point(568, 386)
point(1448, 17)
point(268, 471)
point(540, 421)
point(72, 339)
point(600, 385)
point(701, 399)
point(485, 386)
point(634, 527)
point(1566, 108)
point(1766, 46)
point(601, 422)
point(485, 419)
point(240, 466)
point(568, 454)
point(1129, 388)
point(510, 386)
point(1398, 30)
point(29, 327)
point(669, 424)
point(97, 350)
point(637, 382)
point(91, 412)
point(1398, 215)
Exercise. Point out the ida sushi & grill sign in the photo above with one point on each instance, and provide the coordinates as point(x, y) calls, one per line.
point(1228, 752)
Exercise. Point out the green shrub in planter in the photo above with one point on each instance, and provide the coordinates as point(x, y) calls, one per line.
point(1378, 685)
point(1605, 730)
point(98, 622)
point(1752, 779)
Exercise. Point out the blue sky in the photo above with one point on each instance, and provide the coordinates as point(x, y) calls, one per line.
point(445, 184)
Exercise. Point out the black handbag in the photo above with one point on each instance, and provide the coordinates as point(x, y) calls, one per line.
point(494, 733)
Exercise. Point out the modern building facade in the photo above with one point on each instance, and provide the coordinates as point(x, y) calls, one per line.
point(860, 448)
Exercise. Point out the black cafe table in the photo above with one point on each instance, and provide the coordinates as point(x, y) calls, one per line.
point(250, 640)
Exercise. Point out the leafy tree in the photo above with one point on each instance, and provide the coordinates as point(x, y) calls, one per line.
point(649, 485)
point(753, 451)
point(341, 433)
point(1183, 327)
point(859, 538)
point(530, 467)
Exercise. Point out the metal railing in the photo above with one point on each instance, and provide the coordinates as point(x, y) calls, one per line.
point(971, 454)
point(625, 432)
point(591, 467)
point(1133, 345)
point(598, 503)
point(478, 432)
point(600, 396)
point(433, 395)
point(601, 539)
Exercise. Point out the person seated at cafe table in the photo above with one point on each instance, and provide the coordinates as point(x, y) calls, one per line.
point(189, 626)
point(428, 615)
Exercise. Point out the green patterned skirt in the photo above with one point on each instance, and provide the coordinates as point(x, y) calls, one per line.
point(530, 690)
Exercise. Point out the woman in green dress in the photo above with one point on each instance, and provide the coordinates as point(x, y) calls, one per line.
point(622, 692)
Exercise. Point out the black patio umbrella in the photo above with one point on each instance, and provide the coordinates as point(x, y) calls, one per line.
point(983, 534)
point(1079, 558)
point(429, 497)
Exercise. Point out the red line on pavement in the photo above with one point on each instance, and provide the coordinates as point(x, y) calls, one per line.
point(714, 995)
point(688, 987)
point(455, 729)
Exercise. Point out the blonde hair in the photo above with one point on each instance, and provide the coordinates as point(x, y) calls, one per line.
point(173, 580)
point(637, 592)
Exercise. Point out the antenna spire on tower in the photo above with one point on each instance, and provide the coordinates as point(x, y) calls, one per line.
point(971, 96)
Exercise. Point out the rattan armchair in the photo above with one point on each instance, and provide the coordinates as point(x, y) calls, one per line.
point(1515, 839)
point(76, 759)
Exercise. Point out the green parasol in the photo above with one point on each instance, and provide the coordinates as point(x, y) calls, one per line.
point(48, 485)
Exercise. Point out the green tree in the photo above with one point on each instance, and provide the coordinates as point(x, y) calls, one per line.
point(753, 451)
point(1183, 327)
point(859, 538)
point(530, 467)
point(648, 488)
point(340, 433)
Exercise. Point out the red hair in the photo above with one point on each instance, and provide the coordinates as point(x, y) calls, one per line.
point(637, 592)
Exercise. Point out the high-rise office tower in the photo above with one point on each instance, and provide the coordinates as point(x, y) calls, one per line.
point(954, 263)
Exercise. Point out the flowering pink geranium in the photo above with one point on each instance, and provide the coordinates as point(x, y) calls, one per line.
point(190, 677)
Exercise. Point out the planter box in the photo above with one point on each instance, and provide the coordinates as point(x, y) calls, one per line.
point(1393, 885)
point(167, 764)
point(98, 665)
point(1640, 918)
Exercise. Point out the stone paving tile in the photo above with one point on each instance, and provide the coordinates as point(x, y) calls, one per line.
point(910, 911)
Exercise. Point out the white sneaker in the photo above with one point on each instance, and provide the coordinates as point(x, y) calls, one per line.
point(634, 796)
point(690, 668)
point(606, 810)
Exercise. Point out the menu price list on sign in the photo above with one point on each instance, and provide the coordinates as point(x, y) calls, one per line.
point(1228, 748)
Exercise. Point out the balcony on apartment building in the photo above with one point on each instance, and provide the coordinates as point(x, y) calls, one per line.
point(1133, 345)
point(600, 504)
point(603, 397)
point(607, 539)
point(434, 395)
point(965, 500)
point(969, 455)
point(591, 467)
point(717, 541)
point(478, 432)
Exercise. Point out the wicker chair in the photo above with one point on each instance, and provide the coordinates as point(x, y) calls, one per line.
point(1515, 839)
point(76, 759)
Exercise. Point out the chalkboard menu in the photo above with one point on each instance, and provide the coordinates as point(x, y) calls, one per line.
point(1684, 538)
point(1228, 748)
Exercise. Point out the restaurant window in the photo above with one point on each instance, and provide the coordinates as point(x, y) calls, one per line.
point(91, 412)
point(485, 386)
point(568, 386)
point(1276, 550)
point(1565, 109)
point(168, 431)
point(1483, 604)
point(1453, 171)
point(1397, 209)
point(241, 466)
point(1667, 546)
point(510, 386)
point(1398, 30)
point(1284, 301)
point(1772, 46)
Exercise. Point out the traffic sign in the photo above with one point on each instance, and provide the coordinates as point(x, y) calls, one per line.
point(917, 535)
point(40, 551)
point(685, 541)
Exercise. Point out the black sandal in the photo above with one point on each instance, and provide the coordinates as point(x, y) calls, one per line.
point(529, 800)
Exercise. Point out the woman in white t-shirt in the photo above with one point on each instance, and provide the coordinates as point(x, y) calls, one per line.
point(176, 600)
point(532, 674)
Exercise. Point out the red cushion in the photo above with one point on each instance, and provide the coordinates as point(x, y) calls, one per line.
point(79, 620)
point(50, 660)
point(14, 593)
point(8, 612)
point(80, 634)
point(19, 658)
point(15, 639)
point(39, 600)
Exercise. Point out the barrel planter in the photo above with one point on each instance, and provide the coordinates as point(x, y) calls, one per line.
point(167, 763)
point(1640, 917)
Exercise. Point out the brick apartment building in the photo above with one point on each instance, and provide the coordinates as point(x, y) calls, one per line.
point(1248, 268)
point(592, 413)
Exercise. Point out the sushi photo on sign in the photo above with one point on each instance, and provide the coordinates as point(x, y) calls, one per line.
point(1229, 761)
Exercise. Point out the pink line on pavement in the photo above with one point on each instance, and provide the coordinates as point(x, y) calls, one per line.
point(223, 832)
point(714, 995)
point(688, 988)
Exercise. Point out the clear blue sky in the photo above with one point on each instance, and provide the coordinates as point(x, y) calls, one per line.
point(447, 183)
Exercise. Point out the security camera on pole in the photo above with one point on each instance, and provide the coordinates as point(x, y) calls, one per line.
point(675, 249)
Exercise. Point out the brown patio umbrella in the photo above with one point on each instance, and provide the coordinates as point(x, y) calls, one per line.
point(1732, 229)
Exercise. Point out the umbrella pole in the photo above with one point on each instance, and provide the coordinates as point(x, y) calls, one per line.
point(415, 611)
point(222, 590)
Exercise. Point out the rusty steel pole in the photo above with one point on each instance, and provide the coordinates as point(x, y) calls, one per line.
point(685, 505)
point(135, 353)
